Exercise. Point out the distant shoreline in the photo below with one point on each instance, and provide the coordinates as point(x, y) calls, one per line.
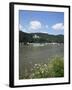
point(40, 44)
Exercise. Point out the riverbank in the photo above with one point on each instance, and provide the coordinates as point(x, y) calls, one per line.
point(39, 44)
point(54, 68)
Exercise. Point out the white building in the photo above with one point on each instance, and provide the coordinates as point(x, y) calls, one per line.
point(35, 36)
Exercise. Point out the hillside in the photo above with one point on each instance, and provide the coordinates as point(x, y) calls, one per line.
point(40, 38)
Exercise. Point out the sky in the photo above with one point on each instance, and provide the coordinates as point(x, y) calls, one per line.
point(41, 22)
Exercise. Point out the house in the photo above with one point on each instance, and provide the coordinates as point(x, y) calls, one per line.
point(35, 36)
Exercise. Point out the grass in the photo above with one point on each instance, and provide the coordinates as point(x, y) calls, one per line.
point(54, 68)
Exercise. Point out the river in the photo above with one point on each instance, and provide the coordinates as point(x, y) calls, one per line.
point(32, 54)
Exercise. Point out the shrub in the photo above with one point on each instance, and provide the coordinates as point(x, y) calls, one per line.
point(55, 68)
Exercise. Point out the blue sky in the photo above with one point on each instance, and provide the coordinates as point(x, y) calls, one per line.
point(41, 22)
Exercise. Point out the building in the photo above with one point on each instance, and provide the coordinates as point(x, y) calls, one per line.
point(35, 36)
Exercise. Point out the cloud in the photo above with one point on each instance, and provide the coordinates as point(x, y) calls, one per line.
point(35, 25)
point(44, 32)
point(58, 26)
point(46, 26)
point(22, 28)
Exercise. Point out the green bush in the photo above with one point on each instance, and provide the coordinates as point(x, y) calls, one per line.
point(55, 68)
point(58, 67)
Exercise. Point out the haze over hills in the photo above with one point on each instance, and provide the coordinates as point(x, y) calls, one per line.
point(40, 38)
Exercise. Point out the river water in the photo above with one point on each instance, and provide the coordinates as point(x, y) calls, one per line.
point(32, 54)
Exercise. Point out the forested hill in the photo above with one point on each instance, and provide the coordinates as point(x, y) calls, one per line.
point(40, 38)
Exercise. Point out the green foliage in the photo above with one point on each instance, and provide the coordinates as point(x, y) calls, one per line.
point(43, 38)
point(55, 68)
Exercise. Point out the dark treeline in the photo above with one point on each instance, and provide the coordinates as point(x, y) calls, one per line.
point(40, 38)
